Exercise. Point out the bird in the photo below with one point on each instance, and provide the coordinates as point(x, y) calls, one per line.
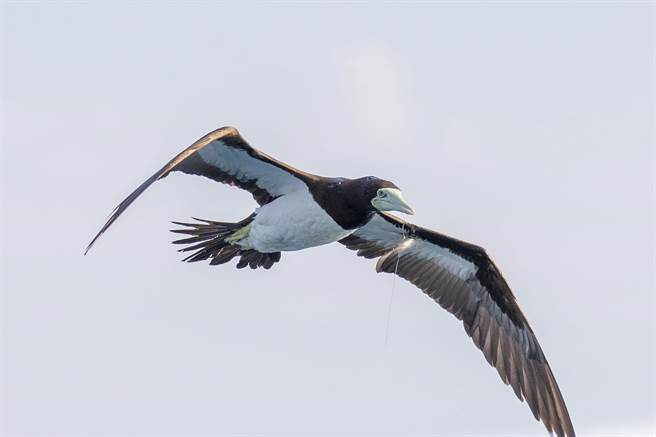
point(298, 210)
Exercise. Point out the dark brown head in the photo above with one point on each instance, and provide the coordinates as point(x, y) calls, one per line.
point(352, 202)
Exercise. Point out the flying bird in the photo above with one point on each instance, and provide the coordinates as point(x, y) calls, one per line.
point(298, 210)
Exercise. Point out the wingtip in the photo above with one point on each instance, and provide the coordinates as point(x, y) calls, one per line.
point(94, 241)
point(88, 248)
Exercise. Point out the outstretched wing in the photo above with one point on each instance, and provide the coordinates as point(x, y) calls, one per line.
point(463, 280)
point(224, 156)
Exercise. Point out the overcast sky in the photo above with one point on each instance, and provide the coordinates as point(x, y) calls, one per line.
point(527, 129)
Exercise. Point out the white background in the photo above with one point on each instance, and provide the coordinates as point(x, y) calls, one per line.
point(525, 128)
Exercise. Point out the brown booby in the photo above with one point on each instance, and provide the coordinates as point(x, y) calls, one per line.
point(298, 210)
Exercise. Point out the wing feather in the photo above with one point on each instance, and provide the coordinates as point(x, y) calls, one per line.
point(462, 279)
point(224, 156)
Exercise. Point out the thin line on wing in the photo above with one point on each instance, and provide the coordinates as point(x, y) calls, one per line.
point(391, 299)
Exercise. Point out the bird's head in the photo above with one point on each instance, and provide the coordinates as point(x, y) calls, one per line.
point(385, 196)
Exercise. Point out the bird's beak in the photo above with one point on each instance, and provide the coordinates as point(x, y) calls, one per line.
point(402, 206)
point(394, 202)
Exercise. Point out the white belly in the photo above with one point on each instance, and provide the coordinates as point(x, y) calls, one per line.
point(292, 222)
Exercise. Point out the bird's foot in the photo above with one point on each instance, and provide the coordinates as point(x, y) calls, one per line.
point(238, 235)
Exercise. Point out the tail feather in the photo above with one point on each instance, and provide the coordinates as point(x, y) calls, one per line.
point(191, 240)
point(225, 255)
point(207, 240)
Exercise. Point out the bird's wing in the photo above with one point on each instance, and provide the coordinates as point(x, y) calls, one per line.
point(463, 280)
point(224, 156)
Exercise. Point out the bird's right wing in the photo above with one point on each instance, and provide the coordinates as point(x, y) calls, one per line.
point(463, 280)
point(224, 156)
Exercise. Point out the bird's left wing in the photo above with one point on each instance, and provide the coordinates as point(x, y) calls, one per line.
point(224, 156)
point(463, 280)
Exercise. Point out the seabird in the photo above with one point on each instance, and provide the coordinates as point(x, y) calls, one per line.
point(298, 210)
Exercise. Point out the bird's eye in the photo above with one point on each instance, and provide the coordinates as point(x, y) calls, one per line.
point(382, 194)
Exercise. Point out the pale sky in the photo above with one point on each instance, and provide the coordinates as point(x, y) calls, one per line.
point(525, 128)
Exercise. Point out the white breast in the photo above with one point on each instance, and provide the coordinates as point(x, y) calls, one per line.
point(293, 222)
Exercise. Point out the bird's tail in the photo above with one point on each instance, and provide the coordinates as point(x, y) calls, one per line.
point(216, 241)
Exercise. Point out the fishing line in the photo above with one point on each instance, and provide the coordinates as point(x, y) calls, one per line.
point(391, 299)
